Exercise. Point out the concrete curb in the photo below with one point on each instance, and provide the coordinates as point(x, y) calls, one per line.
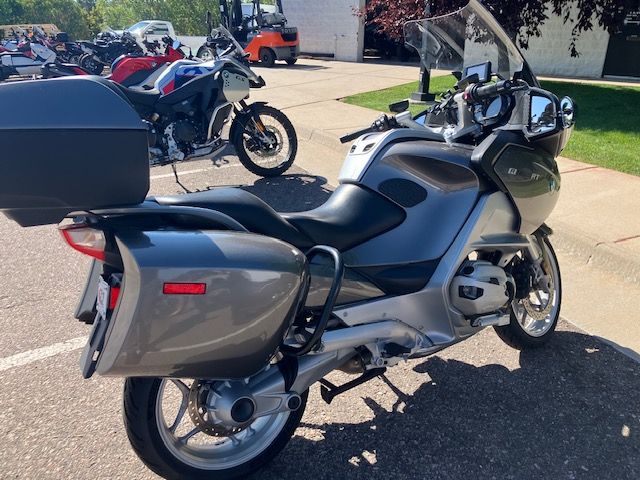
point(567, 238)
point(321, 137)
point(601, 255)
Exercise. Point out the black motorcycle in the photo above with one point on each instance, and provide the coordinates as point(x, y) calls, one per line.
point(105, 50)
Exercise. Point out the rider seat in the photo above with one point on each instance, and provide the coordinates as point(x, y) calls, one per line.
point(352, 215)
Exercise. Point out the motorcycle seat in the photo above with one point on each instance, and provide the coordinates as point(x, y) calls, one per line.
point(140, 97)
point(352, 215)
point(254, 214)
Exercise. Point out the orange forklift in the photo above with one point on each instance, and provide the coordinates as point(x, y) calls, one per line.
point(261, 30)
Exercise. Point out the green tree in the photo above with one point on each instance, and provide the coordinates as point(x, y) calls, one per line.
point(187, 16)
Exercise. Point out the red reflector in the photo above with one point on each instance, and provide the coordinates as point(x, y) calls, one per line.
point(184, 288)
point(113, 299)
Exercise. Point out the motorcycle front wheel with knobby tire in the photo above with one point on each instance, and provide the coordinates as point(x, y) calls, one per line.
point(178, 449)
point(534, 318)
point(267, 147)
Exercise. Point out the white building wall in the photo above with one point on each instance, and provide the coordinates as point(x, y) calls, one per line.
point(549, 54)
point(328, 27)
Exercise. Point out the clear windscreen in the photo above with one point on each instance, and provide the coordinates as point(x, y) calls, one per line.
point(222, 31)
point(464, 38)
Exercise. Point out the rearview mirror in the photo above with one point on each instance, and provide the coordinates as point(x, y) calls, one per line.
point(399, 107)
point(176, 45)
point(542, 115)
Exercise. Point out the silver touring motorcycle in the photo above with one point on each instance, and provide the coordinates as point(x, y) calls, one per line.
point(222, 313)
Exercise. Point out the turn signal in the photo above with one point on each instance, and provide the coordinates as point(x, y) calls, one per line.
point(184, 288)
point(85, 240)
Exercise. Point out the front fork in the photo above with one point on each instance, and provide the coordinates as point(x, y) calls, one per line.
point(250, 114)
point(537, 255)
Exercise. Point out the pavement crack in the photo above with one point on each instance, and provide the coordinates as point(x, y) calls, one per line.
point(633, 237)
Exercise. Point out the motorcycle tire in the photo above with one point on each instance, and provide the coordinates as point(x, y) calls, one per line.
point(90, 64)
point(206, 54)
point(291, 61)
point(141, 396)
point(242, 135)
point(522, 338)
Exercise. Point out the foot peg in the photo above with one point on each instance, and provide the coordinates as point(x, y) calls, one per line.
point(328, 391)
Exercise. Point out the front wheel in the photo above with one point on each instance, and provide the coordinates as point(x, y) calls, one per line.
point(265, 141)
point(206, 54)
point(91, 64)
point(291, 61)
point(535, 315)
point(170, 428)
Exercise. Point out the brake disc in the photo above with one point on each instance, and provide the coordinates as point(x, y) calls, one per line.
point(537, 311)
point(199, 412)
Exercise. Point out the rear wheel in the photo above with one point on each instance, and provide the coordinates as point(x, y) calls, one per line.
point(291, 61)
point(169, 428)
point(267, 147)
point(535, 316)
point(267, 57)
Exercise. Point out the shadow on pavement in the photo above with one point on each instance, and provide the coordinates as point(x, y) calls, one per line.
point(572, 410)
point(291, 193)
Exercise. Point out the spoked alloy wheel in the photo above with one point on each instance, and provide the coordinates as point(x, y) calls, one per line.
point(534, 318)
point(173, 428)
point(267, 148)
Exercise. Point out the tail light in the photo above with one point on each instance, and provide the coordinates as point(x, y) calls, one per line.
point(84, 239)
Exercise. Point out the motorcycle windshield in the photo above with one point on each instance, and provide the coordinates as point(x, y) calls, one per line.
point(464, 38)
point(226, 33)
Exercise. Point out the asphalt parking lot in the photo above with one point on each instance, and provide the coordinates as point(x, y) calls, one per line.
point(477, 410)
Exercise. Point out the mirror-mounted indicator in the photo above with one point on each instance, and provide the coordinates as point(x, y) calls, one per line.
point(568, 112)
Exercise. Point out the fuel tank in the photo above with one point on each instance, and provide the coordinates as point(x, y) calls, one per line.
point(432, 181)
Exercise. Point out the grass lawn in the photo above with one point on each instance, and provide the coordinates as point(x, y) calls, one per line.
point(607, 131)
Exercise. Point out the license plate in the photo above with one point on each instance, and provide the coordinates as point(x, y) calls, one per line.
point(102, 301)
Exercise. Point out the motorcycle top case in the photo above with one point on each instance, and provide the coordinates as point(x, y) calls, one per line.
point(69, 144)
point(247, 290)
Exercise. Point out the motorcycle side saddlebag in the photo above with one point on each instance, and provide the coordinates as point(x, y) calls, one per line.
point(69, 144)
point(203, 304)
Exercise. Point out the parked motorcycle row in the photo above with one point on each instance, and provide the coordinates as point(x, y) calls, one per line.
point(221, 313)
point(186, 102)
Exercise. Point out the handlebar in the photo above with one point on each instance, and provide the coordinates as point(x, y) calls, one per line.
point(478, 93)
point(383, 123)
point(352, 136)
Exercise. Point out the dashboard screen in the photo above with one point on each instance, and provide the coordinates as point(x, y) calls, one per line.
point(482, 69)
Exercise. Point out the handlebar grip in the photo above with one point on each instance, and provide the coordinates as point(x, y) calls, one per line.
point(352, 136)
point(478, 93)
